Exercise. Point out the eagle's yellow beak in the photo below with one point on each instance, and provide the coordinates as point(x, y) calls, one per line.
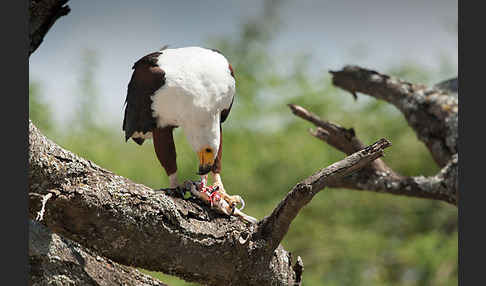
point(206, 160)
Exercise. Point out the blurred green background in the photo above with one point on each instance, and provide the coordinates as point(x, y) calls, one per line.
point(344, 237)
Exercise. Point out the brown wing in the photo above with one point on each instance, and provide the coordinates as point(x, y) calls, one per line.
point(225, 112)
point(147, 77)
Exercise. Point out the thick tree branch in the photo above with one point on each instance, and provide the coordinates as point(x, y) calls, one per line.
point(442, 186)
point(42, 15)
point(343, 139)
point(58, 261)
point(378, 176)
point(450, 85)
point(275, 226)
point(431, 112)
point(131, 224)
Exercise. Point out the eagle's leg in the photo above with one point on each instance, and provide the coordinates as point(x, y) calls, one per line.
point(233, 201)
point(166, 152)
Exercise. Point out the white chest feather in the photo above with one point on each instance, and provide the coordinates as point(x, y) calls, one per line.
point(198, 86)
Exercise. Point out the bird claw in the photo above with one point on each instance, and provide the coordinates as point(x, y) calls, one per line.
point(234, 201)
point(221, 201)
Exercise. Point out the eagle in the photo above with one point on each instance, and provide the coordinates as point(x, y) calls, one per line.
point(192, 88)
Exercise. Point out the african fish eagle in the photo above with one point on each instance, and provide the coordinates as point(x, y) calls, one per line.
point(189, 87)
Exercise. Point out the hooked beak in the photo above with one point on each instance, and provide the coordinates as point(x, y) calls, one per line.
point(206, 161)
point(203, 170)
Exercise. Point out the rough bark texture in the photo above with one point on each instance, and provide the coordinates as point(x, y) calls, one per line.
point(432, 114)
point(58, 261)
point(42, 15)
point(276, 225)
point(133, 225)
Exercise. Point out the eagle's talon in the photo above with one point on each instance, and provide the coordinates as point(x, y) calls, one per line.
point(239, 200)
point(233, 201)
point(242, 202)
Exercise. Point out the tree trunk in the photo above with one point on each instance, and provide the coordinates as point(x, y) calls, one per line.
point(55, 260)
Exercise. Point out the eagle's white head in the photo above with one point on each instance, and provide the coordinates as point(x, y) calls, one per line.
point(204, 138)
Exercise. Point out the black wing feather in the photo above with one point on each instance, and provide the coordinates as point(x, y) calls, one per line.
point(147, 77)
point(225, 112)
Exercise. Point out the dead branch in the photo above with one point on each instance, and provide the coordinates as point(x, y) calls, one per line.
point(431, 112)
point(343, 139)
point(42, 15)
point(418, 104)
point(275, 226)
point(132, 225)
point(58, 261)
point(451, 85)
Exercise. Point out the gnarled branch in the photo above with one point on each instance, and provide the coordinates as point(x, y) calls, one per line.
point(55, 260)
point(432, 113)
point(132, 225)
point(275, 226)
point(42, 15)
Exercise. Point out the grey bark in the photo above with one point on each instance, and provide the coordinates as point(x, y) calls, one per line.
point(431, 112)
point(276, 225)
point(42, 15)
point(133, 225)
point(450, 85)
point(55, 260)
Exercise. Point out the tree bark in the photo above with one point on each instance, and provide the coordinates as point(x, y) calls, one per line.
point(431, 112)
point(133, 225)
point(42, 15)
point(55, 260)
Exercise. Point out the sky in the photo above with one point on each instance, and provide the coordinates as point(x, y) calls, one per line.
point(374, 34)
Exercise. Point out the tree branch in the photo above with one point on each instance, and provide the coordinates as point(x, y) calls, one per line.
point(58, 261)
point(431, 112)
point(42, 15)
point(343, 139)
point(417, 103)
point(132, 225)
point(274, 227)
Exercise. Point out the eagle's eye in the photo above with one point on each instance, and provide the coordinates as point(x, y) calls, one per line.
point(208, 150)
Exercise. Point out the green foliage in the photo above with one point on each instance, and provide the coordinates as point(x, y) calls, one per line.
point(344, 237)
point(86, 95)
point(39, 111)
